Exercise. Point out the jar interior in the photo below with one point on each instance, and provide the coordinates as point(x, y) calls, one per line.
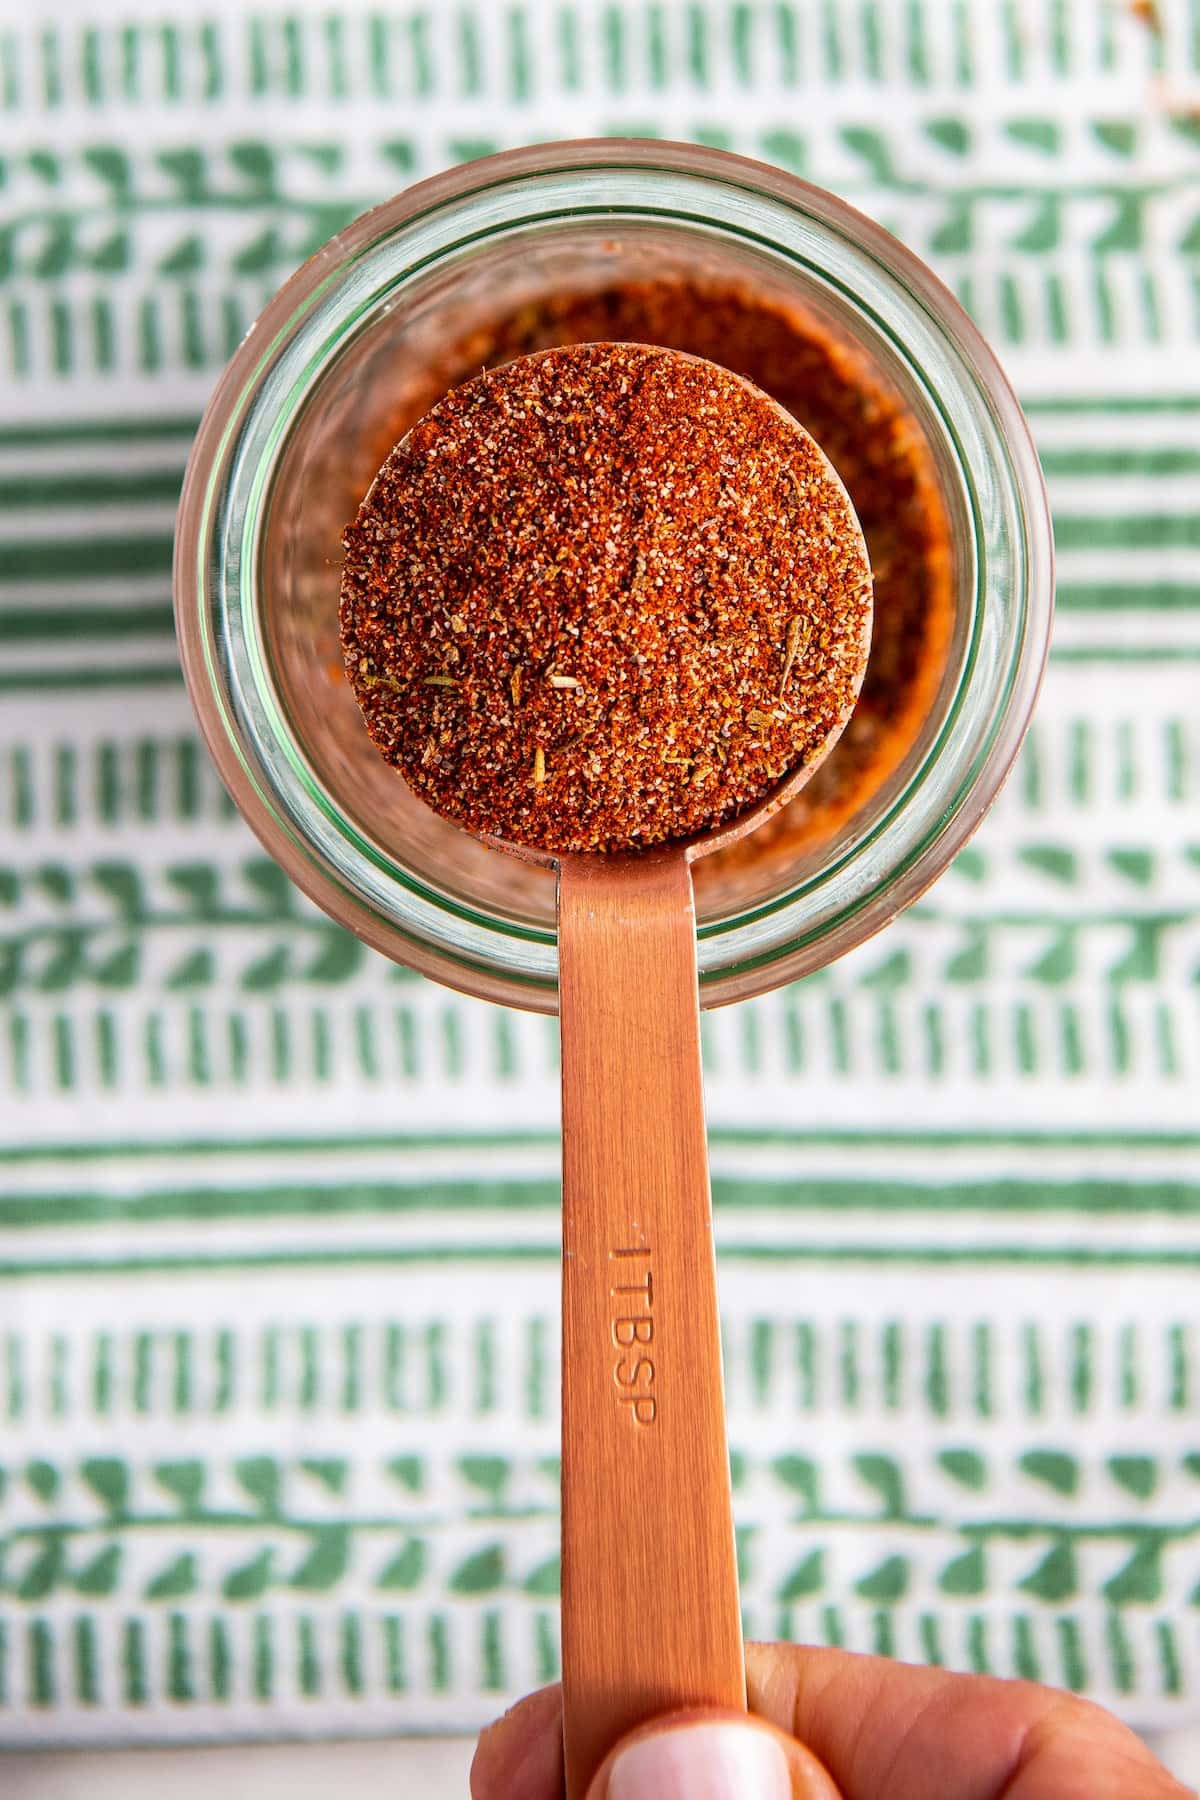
point(693, 289)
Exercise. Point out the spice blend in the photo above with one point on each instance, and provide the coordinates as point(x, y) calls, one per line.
point(603, 597)
point(879, 452)
point(832, 386)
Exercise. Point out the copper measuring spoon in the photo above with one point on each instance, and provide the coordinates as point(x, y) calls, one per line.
point(650, 1611)
point(651, 1620)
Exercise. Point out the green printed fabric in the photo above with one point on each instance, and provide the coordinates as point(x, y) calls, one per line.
point(278, 1221)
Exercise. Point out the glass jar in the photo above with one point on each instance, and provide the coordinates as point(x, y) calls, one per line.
point(302, 417)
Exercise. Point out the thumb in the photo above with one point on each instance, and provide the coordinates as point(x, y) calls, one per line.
point(710, 1756)
point(700, 1756)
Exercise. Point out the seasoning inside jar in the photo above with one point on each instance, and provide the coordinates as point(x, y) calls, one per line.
point(604, 597)
point(835, 386)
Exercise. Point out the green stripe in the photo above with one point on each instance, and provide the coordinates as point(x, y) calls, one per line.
point(310, 1200)
point(41, 1663)
point(16, 681)
point(1100, 596)
point(102, 431)
point(770, 1137)
point(366, 1256)
point(87, 624)
point(78, 488)
point(1127, 531)
point(56, 559)
point(1122, 653)
point(1115, 403)
point(1173, 460)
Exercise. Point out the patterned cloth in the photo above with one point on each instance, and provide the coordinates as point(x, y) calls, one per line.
point(278, 1266)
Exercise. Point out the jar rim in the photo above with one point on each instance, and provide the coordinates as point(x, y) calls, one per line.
point(223, 492)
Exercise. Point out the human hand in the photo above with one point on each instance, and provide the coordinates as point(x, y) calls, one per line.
point(827, 1725)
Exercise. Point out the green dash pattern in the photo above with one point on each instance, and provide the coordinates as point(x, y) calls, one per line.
point(278, 1221)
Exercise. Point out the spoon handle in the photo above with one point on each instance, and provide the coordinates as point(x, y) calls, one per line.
point(650, 1616)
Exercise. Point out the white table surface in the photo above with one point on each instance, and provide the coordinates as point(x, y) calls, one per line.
point(431, 1769)
point(402, 1769)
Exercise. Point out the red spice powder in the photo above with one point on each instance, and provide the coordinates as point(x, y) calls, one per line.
point(879, 452)
point(834, 388)
point(604, 597)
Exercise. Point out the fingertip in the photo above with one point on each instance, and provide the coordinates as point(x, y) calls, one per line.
point(520, 1756)
point(710, 1755)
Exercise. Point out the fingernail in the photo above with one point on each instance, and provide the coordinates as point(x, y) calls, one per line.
point(722, 1761)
